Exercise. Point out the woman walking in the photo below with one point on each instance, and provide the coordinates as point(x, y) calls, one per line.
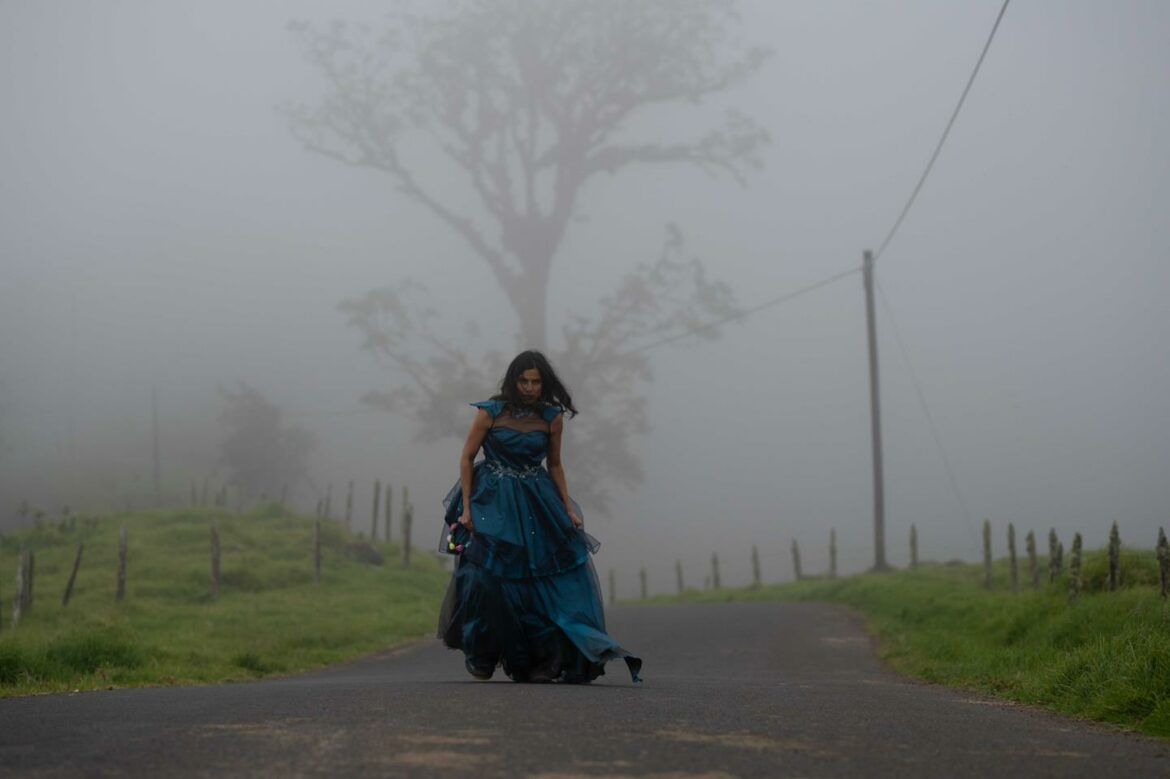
point(524, 595)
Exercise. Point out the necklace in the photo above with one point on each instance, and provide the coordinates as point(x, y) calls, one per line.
point(522, 412)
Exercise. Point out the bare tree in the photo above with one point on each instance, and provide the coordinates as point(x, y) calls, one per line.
point(529, 101)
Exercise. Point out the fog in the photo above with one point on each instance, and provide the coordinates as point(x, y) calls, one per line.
point(162, 226)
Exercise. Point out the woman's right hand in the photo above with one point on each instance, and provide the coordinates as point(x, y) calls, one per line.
point(465, 520)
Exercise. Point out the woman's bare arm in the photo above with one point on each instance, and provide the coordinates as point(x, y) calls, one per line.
point(479, 428)
point(556, 470)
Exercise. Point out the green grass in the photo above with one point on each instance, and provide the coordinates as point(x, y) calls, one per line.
point(1104, 657)
point(270, 617)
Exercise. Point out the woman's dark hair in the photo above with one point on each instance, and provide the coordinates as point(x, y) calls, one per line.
point(551, 388)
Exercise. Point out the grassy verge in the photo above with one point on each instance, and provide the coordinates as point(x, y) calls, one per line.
point(270, 617)
point(1105, 657)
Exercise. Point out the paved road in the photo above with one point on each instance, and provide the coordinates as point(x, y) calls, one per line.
point(739, 690)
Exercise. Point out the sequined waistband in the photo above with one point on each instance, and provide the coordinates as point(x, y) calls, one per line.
point(526, 472)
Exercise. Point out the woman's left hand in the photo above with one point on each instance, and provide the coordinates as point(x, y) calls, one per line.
point(575, 519)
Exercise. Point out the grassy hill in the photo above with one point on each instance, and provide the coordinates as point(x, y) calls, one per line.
point(1105, 656)
point(271, 616)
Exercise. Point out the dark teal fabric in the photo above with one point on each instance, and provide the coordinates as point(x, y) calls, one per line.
point(524, 594)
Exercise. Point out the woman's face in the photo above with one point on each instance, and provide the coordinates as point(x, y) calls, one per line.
point(529, 385)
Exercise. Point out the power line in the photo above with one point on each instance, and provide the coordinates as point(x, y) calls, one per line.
point(926, 412)
point(943, 139)
point(745, 312)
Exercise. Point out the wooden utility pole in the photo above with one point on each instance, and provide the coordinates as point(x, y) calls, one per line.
point(154, 436)
point(875, 410)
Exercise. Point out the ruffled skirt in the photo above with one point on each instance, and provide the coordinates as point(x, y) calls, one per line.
point(536, 612)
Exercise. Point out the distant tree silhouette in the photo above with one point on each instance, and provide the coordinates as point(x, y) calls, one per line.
point(528, 101)
point(258, 452)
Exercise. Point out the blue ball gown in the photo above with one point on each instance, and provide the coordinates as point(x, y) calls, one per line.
point(524, 593)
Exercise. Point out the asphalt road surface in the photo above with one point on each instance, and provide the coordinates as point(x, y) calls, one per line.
point(731, 690)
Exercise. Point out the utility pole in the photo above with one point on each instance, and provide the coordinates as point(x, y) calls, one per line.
point(154, 431)
point(875, 410)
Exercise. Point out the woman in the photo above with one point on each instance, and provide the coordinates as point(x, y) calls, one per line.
point(524, 594)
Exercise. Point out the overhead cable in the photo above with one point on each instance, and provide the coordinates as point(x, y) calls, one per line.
point(943, 139)
point(745, 312)
point(926, 412)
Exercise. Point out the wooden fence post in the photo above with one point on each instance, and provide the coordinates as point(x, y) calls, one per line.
point(913, 547)
point(715, 570)
point(1033, 563)
point(678, 575)
point(72, 576)
point(29, 580)
point(120, 591)
point(612, 588)
point(796, 560)
point(317, 551)
point(18, 594)
point(1013, 563)
point(1164, 562)
point(214, 562)
point(1053, 570)
point(832, 553)
point(320, 507)
point(349, 506)
point(407, 521)
point(755, 566)
point(328, 502)
point(374, 514)
point(1114, 557)
point(987, 553)
point(642, 577)
point(389, 509)
point(1074, 568)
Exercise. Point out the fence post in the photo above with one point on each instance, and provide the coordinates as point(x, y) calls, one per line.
point(678, 575)
point(832, 553)
point(29, 580)
point(18, 595)
point(320, 507)
point(407, 521)
point(317, 551)
point(642, 577)
point(389, 509)
point(214, 562)
point(1053, 561)
point(913, 547)
point(1013, 563)
point(1164, 562)
point(120, 591)
point(374, 515)
point(715, 570)
point(755, 566)
point(1033, 564)
point(987, 553)
point(349, 506)
point(796, 560)
point(72, 577)
point(1114, 557)
point(1074, 568)
point(328, 502)
point(612, 588)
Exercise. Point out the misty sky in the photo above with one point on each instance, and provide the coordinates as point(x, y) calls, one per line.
point(159, 225)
